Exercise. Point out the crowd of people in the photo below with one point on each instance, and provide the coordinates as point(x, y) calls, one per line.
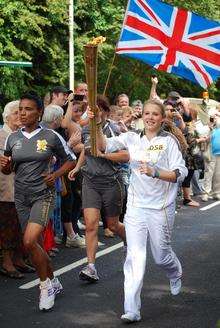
point(52, 187)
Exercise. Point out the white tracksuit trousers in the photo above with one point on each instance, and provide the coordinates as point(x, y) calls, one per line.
point(141, 224)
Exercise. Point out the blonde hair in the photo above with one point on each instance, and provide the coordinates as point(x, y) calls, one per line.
point(127, 110)
point(9, 107)
point(194, 110)
point(170, 127)
point(114, 109)
point(156, 103)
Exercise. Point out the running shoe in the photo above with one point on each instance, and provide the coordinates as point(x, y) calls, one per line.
point(75, 241)
point(175, 286)
point(205, 198)
point(217, 197)
point(58, 288)
point(81, 226)
point(130, 317)
point(88, 274)
point(47, 296)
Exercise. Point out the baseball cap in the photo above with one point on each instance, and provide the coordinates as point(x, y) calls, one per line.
point(174, 94)
point(60, 89)
point(169, 102)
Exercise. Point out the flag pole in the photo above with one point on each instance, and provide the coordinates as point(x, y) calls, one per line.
point(71, 44)
point(109, 74)
point(111, 67)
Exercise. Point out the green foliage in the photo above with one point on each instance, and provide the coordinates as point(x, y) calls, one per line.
point(37, 31)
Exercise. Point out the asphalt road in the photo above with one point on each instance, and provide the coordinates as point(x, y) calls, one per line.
point(196, 240)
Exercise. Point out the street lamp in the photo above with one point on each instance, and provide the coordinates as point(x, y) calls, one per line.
point(71, 45)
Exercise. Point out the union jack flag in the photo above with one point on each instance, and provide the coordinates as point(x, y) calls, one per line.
point(172, 40)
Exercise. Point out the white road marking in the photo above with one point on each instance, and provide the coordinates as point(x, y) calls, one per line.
point(74, 265)
point(210, 206)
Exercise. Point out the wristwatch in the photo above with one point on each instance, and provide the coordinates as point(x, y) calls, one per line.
point(155, 174)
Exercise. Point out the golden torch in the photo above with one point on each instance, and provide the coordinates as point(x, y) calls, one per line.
point(91, 63)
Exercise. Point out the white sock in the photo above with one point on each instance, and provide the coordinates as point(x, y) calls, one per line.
point(91, 265)
point(71, 236)
point(44, 283)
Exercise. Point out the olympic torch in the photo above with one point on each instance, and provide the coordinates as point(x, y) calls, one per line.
point(91, 63)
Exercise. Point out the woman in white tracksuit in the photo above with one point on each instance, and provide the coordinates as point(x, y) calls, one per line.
point(157, 166)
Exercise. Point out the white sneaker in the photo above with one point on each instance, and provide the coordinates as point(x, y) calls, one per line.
point(175, 286)
point(89, 274)
point(47, 296)
point(81, 226)
point(130, 317)
point(217, 197)
point(205, 197)
point(58, 288)
point(75, 241)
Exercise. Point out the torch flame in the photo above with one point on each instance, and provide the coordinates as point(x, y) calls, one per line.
point(96, 41)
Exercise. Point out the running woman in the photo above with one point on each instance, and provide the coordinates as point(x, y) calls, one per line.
point(102, 189)
point(29, 152)
point(157, 166)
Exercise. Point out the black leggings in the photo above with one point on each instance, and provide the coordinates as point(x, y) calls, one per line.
point(187, 180)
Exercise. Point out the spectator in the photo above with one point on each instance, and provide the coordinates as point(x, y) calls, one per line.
point(52, 118)
point(122, 100)
point(194, 159)
point(137, 122)
point(215, 148)
point(10, 230)
point(179, 103)
point(81, 88)
point(59, 95)
point(174, 115)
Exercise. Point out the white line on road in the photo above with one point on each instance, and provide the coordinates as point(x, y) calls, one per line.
point(73, 265)
point(210, 206)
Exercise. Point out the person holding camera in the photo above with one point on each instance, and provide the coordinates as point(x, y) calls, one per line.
point(174, 115)
point(58, 96)
point(137, 122)
point(180, 104)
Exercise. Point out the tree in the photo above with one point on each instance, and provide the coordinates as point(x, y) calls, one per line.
point(37, 31)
